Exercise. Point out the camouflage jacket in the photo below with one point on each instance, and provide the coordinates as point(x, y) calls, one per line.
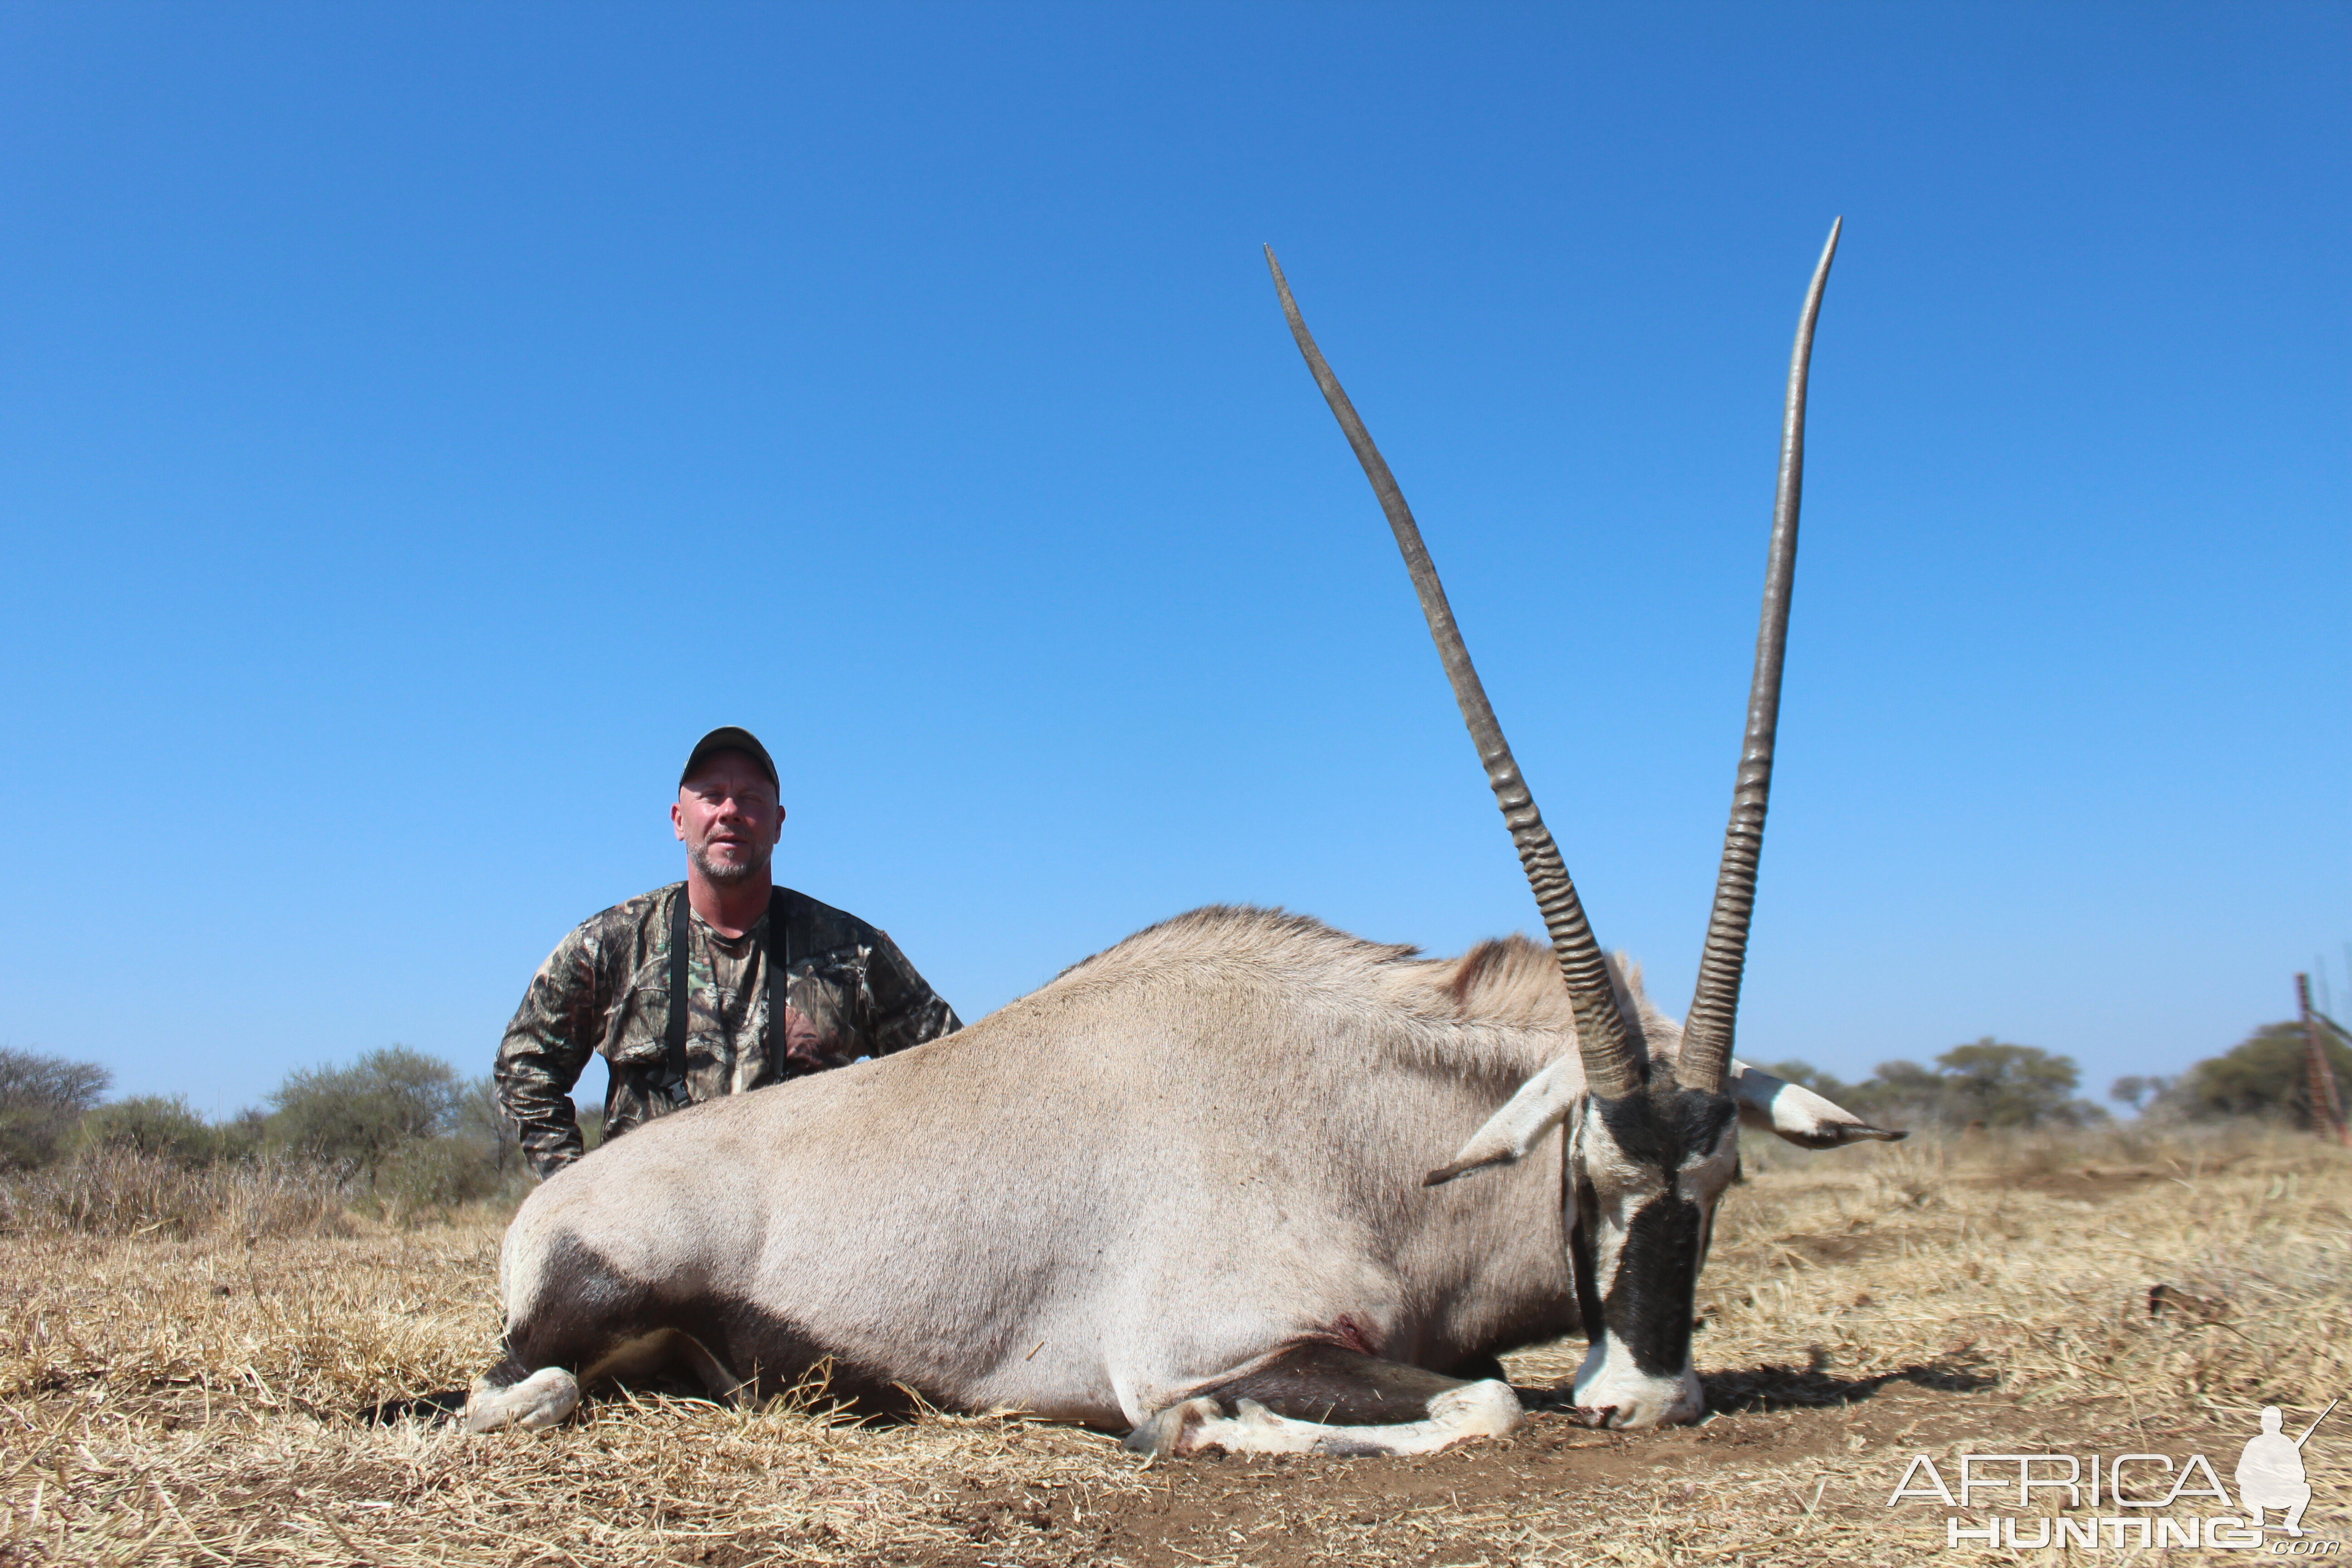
point(850, 994)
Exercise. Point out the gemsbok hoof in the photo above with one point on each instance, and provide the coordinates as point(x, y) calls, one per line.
point(538, 1401)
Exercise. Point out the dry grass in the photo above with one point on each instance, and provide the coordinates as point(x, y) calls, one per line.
point(122, 1192)
point(196, 1399)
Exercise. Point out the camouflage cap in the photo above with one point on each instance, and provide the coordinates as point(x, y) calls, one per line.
point(730, 738)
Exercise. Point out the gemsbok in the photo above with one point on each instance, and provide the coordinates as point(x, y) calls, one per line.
point(1183, 1191)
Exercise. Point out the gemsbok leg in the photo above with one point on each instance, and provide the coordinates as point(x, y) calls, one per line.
point(1327, 1399)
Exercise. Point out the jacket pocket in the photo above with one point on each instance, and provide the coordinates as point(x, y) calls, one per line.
point(636, 1030)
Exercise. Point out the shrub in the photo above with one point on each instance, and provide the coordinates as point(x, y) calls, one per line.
point(1987, 1081)
point(125, 1192)
point(364, 1113)
point(416, 1138)
point(40, 1100)
point(167, 1128)
point(2267, 1074)
point(242, 1136)
point(432, 1173)
point(2014, 1085)
point(482, 1121)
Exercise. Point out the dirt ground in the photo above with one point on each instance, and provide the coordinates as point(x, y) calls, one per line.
point(220, 1399)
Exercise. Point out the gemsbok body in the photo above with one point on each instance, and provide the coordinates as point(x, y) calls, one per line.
point(1185, 1190)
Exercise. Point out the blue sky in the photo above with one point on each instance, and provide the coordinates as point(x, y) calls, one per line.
point(418, 423)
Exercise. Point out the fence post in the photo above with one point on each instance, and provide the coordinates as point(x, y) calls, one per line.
point(2326, 1107)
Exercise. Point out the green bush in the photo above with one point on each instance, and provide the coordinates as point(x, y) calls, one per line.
point(2014, 1085)
point(245, 1136)
point(395, 1133)
point(2267, 1074)
point(363, 1114)
point(1902, 1094)
point(1987, 1082)
point(167, 1128)
point(415, 1137)
point(41, 1098)
point(436, 1173)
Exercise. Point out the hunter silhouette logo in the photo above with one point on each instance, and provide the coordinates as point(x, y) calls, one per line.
point(2270, 1472)
point(2125, 1502)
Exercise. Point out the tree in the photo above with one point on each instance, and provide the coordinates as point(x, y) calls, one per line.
point(2266, 1073)
point(242, 1136)
point(366, 1112)
point(482, 1121)
point(2132, 1089)
point(40, 1100)
point(2013, 1086)
point(151, 1124)
point(1987, 1081)
point(1898, 1094)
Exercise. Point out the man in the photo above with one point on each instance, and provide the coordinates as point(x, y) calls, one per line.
point(777, 984)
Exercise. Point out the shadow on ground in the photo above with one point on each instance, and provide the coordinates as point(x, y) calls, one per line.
point(1756, 1388)
point(446, 1406)
point(1812, 1387)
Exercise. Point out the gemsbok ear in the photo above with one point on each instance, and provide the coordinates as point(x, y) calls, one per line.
point(1541, 1104)
point(1772, 1104)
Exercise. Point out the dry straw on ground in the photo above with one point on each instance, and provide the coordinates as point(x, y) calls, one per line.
point(224, 1389)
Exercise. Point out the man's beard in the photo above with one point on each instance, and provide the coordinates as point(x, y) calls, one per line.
point(721, 875)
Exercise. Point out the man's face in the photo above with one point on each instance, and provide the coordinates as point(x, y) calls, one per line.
point(729, 817)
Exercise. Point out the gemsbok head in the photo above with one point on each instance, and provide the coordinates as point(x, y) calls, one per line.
point(1652, 1129)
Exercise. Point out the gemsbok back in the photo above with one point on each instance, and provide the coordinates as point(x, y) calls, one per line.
point(1184, 1190)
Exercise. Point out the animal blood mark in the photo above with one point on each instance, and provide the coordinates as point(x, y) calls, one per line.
point(1347, 1330)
